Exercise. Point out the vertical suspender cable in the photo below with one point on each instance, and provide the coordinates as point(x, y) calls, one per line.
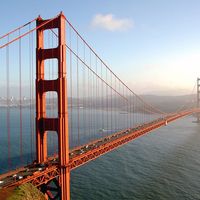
point(102, 107)
point(119, 108)
point(51, 97)
point(8, 103)
point(84, 94)
point(20, 97)
point(127, 109)
point(124, 109)
point(71, 92)
point(50, 136)
point(107, 102)
point(30, 93)
point(32, 96)
point(111, 104)
point(130, 107)
point(133, 110)
point(96, 99)
point(93, 100)
point(115, 111)
point(89, 98)
point(77, 64)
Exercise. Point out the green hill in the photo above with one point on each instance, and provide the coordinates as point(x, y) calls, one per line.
point(22, 192)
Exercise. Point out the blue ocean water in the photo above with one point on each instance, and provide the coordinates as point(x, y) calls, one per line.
point(162, 165)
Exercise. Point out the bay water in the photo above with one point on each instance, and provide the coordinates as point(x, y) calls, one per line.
point(161, 165)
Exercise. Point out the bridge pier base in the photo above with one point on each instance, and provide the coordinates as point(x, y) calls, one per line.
point(52, 190)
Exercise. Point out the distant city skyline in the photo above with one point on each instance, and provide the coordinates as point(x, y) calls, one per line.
point(153, 46)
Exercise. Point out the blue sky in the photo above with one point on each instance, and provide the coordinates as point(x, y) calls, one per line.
point(153, 45)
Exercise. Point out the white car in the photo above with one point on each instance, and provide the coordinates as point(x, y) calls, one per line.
point(20, 177)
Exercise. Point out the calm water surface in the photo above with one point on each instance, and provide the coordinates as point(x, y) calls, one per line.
point(163, 165)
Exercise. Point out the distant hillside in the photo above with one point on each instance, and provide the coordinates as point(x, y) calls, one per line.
point(164, 103)
point(170, 103)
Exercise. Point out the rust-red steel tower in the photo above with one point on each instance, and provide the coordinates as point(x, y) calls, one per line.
point(59, 124)
point(198, 99)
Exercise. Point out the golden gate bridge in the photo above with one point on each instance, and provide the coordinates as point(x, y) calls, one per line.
point(64, 106)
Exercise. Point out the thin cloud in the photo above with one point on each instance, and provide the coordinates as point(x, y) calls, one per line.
point(111, 23)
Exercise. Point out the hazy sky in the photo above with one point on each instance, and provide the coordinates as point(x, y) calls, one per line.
point(153, 45)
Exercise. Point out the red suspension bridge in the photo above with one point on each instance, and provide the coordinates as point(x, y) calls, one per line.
point(65, 109)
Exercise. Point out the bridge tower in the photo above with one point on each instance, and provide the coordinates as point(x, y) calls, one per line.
point(198, 99)
point(59, 85)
